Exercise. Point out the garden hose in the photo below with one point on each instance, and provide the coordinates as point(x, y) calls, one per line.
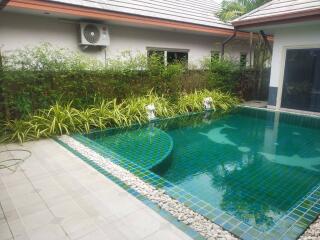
point(12, 163)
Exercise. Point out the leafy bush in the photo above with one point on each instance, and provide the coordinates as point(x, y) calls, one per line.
point(223, 74)
point(45, 91)
point(65, 118)
point(36, 78)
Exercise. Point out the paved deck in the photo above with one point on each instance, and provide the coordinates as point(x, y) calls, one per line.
point(55, 195)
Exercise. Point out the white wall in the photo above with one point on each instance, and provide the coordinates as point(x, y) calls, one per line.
point(18, 31)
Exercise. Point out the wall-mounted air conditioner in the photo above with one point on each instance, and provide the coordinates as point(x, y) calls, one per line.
point(92, 34)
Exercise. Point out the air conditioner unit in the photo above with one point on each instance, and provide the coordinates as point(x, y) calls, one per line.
point(93, 34)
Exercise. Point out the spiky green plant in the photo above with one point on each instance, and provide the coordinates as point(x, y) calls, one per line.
point(135, 107)
point(18, 131)
point(193, 102)
point(65, 119)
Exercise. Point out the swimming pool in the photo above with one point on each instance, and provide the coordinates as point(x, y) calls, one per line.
point(256, 173)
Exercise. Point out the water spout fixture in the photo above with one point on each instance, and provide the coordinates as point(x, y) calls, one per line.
point(151, 111)
point(207, 102)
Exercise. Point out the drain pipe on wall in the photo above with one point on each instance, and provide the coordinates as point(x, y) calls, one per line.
point(226, 41)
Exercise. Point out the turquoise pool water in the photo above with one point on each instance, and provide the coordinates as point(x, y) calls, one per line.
point(260, 168)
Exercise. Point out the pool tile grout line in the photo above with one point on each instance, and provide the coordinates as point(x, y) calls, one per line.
point(290, 226)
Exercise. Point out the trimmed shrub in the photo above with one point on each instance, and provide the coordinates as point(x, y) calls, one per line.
point(37, 78)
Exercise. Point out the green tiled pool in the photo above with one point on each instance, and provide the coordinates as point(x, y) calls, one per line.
point(256, 173)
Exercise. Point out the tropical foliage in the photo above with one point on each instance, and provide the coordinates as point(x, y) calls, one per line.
point(65, 118)
point(231, 9)
point(36, 78)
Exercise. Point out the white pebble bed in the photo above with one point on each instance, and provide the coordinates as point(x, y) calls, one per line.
point(197, 222)
point(313, 232)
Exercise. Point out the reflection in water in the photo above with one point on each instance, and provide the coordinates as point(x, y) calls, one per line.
point(254, 167)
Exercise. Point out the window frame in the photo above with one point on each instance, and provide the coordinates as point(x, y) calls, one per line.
point(166, 50)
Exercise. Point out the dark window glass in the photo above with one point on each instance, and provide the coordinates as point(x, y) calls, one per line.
point(243, 60)
point(215, 55)
point(301, 84)
point(173, 57)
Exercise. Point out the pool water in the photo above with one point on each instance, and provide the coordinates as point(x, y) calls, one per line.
point(254, 165)
point(143, 146)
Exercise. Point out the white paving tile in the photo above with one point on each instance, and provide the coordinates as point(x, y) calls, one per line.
point(114, 231)
point(7, 204)
point(96, 235)
point(5, 231)
point(48, 232)
point(20, 189)
point(18, 229)
point(55, 195)
point(30, 198)
point(11, 216)
point(31, 209)
point(166, 234)
point(37, 219)
point(79, 225)
point(66, 209)
point(142, 222)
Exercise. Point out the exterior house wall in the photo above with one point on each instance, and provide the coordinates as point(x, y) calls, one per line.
point(20, 30)
point(288, 38)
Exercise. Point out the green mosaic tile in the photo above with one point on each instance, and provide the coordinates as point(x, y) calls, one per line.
point(293, 192)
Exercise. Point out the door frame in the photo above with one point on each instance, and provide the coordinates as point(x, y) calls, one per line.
point(283, 66)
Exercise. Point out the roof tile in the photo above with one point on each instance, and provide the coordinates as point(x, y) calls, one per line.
point(201, 12)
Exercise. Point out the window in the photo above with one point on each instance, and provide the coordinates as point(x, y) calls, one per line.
point(174, 57)
point(215, 55)
point(243, 59)
point(170, 56)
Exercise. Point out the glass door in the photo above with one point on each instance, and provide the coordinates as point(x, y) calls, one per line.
point(301, 84)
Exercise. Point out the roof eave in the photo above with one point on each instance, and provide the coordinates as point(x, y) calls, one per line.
point(3, 4)
point(103, 15)
point(300, 16)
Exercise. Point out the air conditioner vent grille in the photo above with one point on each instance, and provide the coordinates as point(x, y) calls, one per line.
point(91, 33)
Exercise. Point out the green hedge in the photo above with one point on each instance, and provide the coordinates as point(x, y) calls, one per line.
point(36, 78)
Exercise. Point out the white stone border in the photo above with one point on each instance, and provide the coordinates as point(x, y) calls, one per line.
point(313, 232)
point(203, 226)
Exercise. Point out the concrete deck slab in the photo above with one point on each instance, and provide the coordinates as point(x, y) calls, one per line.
point(55, 195)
